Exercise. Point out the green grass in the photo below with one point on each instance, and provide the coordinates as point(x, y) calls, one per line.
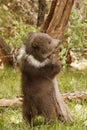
point(72, 80)
point(9, 82)
point(68, 80)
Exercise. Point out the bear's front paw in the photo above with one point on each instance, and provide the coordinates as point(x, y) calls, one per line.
point(53, 59)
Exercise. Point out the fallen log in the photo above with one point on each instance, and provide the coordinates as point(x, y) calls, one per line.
point(76, 96)
point(69, 96)
point(8, 102)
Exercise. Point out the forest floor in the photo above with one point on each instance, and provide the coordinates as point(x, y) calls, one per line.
point(68, 80)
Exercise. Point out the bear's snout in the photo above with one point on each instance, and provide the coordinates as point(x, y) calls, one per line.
point(56, 42)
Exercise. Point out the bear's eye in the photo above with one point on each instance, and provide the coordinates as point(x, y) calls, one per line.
point(49, 42)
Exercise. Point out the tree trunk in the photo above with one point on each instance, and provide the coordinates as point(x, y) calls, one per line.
point(49, 17)
point(5, 51)
point(57, 18)
point(41, 11)
point(55, 25)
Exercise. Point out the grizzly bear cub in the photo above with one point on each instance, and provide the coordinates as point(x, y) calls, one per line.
point(38, 69)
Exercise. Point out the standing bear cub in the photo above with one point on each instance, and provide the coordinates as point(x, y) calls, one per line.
point(39, 68)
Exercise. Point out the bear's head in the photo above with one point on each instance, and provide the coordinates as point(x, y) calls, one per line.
point(40, 45)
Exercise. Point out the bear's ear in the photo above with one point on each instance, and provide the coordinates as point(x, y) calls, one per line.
point(31, 34)
point(29, 38)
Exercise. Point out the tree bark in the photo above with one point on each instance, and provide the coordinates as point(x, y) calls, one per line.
point(49, 17)
point(76, 96)
point(5, 51)
point(56, 25)
point(41, 11)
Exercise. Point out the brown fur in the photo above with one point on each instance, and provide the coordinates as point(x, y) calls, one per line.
point(37, 84)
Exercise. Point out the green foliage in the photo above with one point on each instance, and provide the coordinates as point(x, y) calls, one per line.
point(19, 34)
point(76, 32)
point(77, 27)
point(62, 55)
point(12, 26)
point(9, 82)
point(72, 80)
